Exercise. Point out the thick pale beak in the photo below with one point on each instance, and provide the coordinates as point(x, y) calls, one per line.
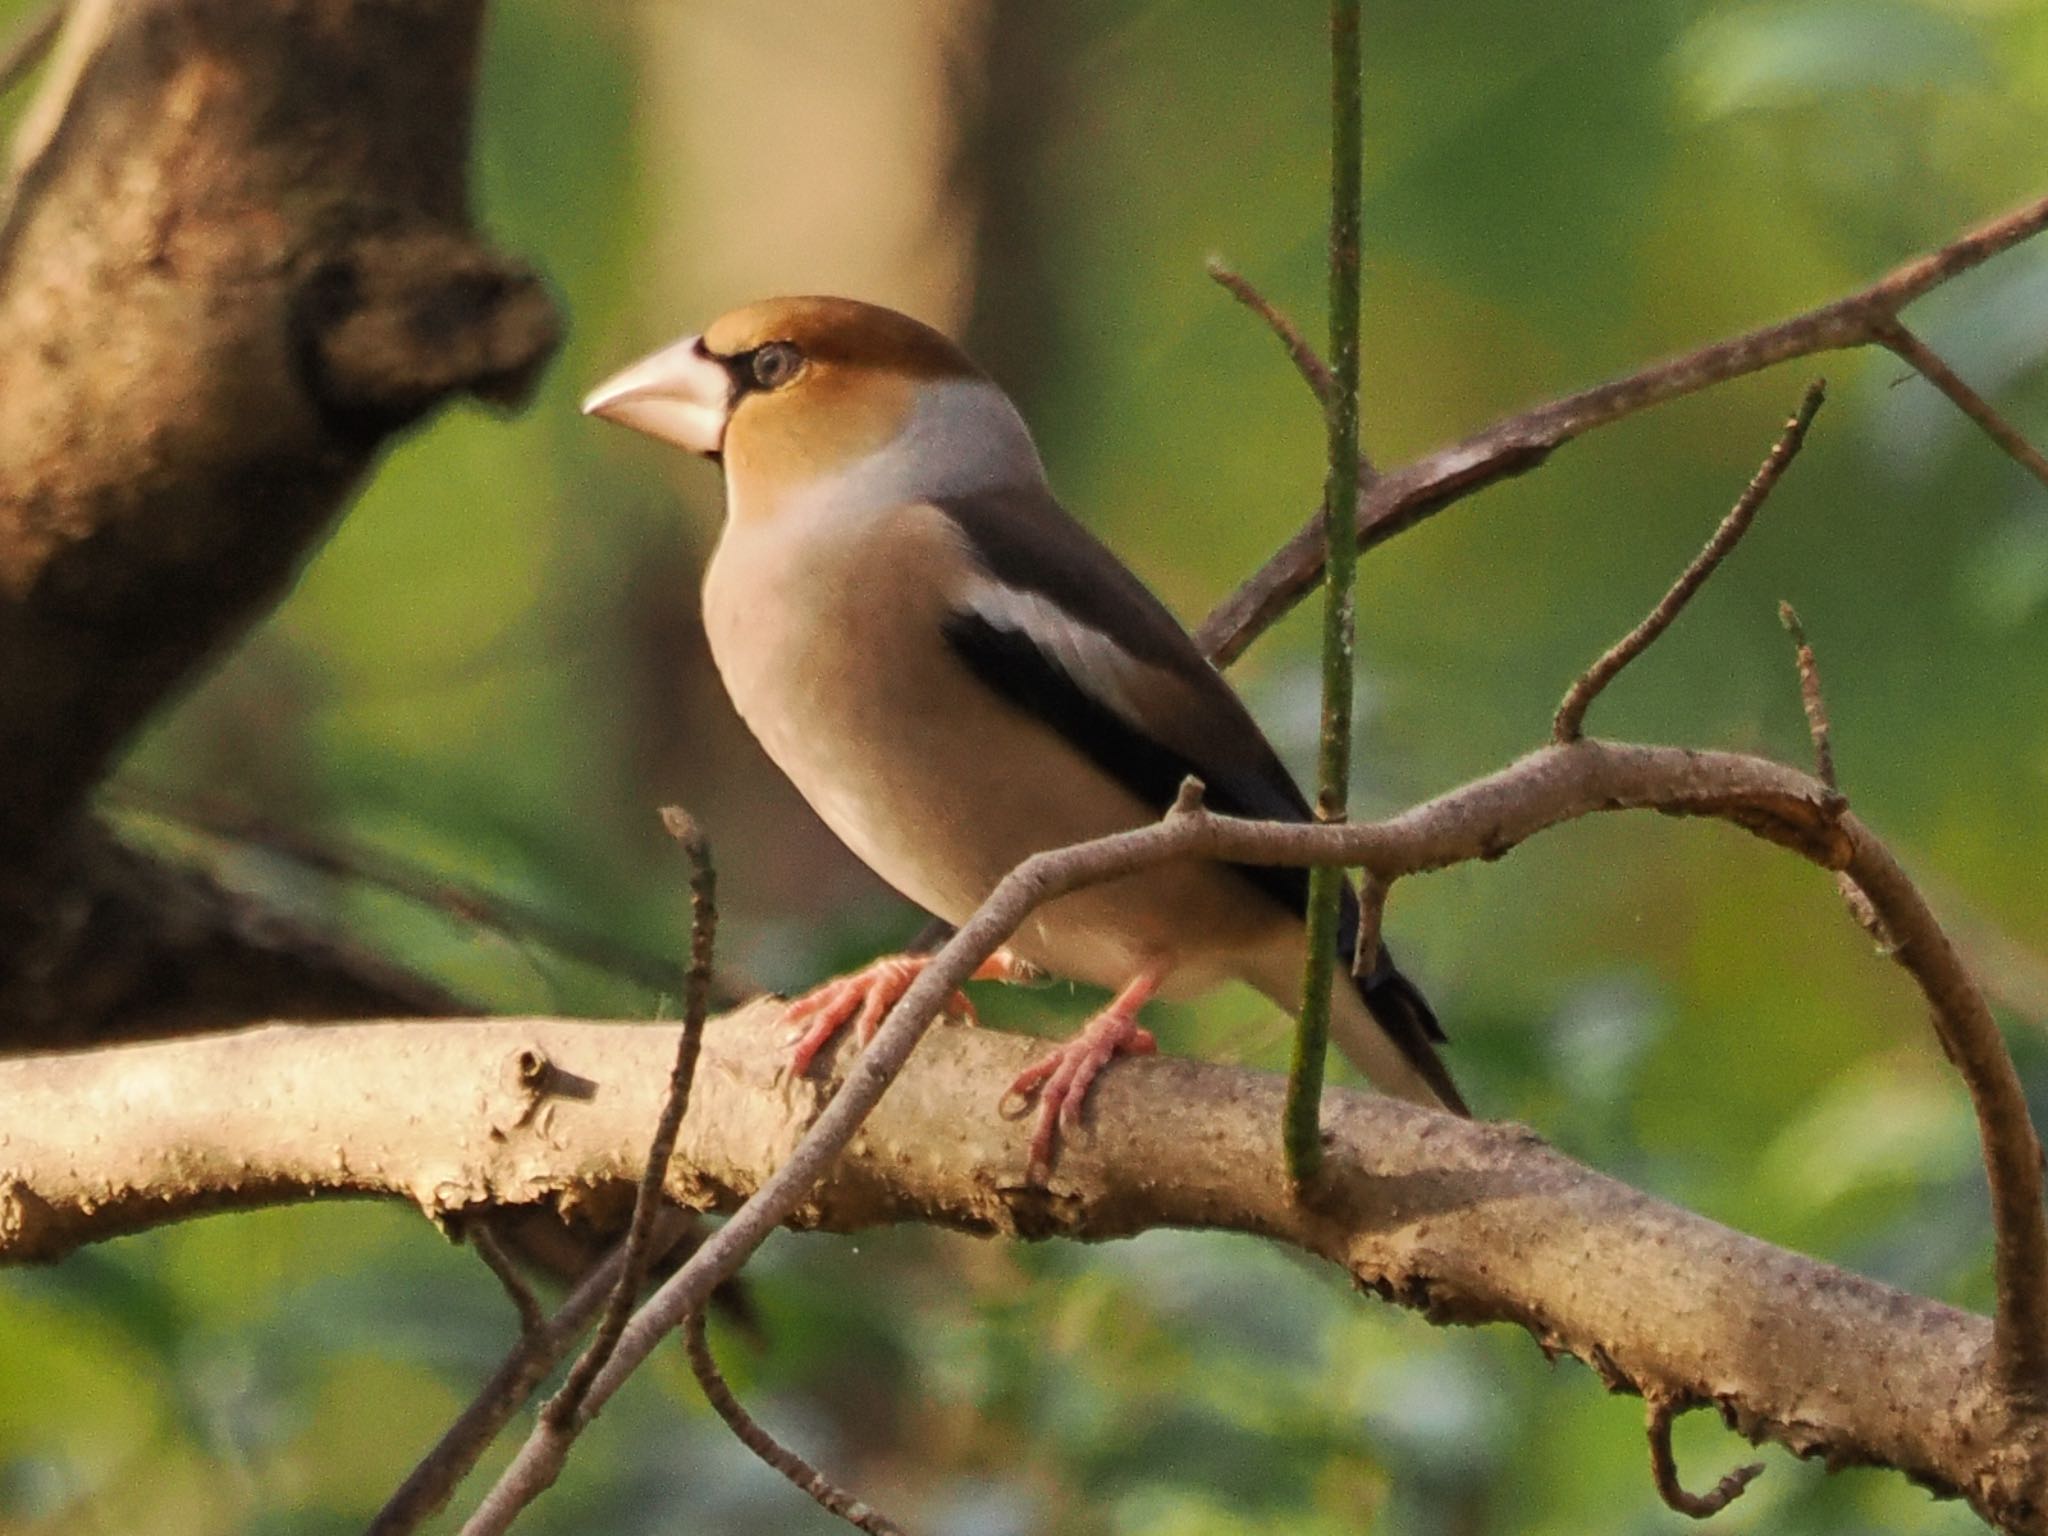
point(680, 395)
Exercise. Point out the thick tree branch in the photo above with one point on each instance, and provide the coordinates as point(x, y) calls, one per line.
point(236, 258)
point(171, 1163)
point(1465, 1222)
point(1482, 820)
point(1399, 498)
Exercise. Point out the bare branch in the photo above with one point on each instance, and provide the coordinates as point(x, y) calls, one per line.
point(1660, 1410)
point(564, 1409)
point(718, 1392)
point(1313, 370)
point(1372, 913)
point(1815, 706)
point(1810, 698)
point(1481, 820)
point(1466, 1222)
point(1931, 366)
point(1403, 497)
point(426, 1490)
point(1569, 723)
point(532, 1319)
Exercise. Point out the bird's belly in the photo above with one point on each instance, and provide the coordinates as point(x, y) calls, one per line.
point(942, 788)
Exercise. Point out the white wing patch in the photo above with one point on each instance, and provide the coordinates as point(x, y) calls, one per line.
point(1098, 665)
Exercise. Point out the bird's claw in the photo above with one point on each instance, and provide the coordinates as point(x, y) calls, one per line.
point(1062, 1076)
point(862, 999)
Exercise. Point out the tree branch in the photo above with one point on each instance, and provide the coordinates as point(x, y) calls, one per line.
point(750, 1433)
point(235, 259)
point(162, 1164)
point(1462, 1221)
point(1400, 498)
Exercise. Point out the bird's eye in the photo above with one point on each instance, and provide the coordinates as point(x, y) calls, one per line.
point(774, 365)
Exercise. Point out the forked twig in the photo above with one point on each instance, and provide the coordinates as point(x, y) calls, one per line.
point(428, 1487)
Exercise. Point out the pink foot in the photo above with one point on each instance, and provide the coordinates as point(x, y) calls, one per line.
point(1061, 1078)
point(865, 998)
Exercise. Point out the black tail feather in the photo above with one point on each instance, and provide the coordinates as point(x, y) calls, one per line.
point(1400, 1009)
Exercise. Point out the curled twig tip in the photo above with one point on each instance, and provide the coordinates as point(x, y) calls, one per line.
point(1660, 1411)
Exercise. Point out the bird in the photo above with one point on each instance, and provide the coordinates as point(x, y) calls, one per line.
point(956, 674)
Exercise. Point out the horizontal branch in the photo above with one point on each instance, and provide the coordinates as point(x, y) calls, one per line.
point(1480, 820)
point(1463, 1222)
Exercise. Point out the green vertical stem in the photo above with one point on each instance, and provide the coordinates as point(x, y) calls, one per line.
point(1302, 1130)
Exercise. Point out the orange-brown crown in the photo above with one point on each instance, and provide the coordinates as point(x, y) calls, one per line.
point(841, 333)
point(858, 374)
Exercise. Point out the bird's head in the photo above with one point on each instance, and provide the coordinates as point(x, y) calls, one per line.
point(823, 393)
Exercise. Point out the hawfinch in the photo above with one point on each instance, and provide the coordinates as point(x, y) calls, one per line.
point(957, 675)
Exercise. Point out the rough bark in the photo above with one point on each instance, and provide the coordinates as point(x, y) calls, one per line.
point(1468, 1223)
point(237, 258)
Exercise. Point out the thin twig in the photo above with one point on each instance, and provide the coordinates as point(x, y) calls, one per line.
point(1659, 1411)
point(1372, 916)
point(1818, 730)
point(1570, 720)
point(532, 1318)
point(1810, 697)
point(1931, 366)
point(427, 1488)
point(1401, 498)
point(1313, 370)
point(565, 1409)
point(718, 1391)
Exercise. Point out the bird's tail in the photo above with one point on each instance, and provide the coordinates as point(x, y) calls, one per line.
point(1380, 1020)
point(1382, 1009)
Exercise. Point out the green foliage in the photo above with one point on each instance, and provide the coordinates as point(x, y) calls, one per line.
point(477, 673)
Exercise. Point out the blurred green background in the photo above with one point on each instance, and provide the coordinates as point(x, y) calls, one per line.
point(494, 670)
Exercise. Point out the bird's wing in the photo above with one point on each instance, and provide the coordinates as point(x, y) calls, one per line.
point(1053, 622)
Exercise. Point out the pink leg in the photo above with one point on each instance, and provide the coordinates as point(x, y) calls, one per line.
point(865, 998)
point(1062, 1076)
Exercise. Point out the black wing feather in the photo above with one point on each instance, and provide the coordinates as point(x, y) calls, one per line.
point(1026, 541)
